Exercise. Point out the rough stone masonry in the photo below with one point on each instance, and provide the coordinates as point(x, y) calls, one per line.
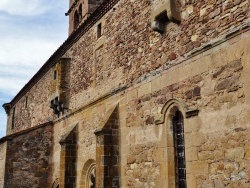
point(143, 93)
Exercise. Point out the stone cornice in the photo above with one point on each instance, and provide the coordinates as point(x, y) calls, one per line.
point(7, 107)
point(9, 137)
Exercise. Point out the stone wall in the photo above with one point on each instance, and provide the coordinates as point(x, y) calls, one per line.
point(218, 88)
point(202, 62)
point(2, 162)
point(215, 139)
point(129, 51)
point(33, 108)
point(28, 159)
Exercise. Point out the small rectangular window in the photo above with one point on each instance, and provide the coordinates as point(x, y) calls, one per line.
point(99, 30)
point(26, 101)
point(13, 119)
point(55, 75)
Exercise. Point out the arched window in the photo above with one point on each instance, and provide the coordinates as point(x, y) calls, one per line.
point(76, 19)
point(80, 12)
point(88, 178)
point(91, 177)
point(179, 149)
point(174, 115)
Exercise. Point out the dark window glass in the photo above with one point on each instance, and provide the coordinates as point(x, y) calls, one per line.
point(26, 101)
point(13, 119)
point(179, 147)
point(99, 30)
point(55, 75)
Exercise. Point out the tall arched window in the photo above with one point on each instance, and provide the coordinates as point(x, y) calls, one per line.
point(174, 113)
point(179, 148)
point(76, 19)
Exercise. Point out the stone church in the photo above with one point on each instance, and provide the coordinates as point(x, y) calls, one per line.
point(142, 94)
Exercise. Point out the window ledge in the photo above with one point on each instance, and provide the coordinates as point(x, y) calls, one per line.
point(100, 42)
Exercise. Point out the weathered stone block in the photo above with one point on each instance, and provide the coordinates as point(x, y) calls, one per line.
point(194, 139)
point(144, 89)
point(193, 124)
point(219, 154)
point(247, 151)
point(156, 84)
point(158, 155)
point(205, 155)
point(132, 94)
point(235, 153)
point(229, 84)
point(191, 154)
point(197, 167)
point(191, 180)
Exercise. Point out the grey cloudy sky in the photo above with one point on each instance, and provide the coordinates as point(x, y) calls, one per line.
point(30, 31)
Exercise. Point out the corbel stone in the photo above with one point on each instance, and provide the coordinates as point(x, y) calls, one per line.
point(7, 107)
point(103, 132)
point(171, 12)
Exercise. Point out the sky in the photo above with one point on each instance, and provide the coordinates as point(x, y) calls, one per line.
point(30, 31)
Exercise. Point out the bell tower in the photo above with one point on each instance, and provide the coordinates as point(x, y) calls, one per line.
point(79, 11)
